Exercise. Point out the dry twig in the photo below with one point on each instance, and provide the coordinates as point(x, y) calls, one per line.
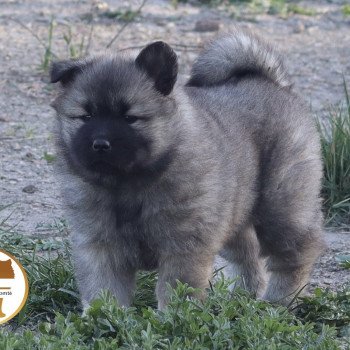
point(137, 12)
point(42, 43)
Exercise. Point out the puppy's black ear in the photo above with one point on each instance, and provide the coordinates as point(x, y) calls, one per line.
point(65, 71)
point(160, 63)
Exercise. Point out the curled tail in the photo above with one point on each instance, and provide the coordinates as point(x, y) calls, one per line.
point(237, 54)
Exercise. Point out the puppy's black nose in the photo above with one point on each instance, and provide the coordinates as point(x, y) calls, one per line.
point(101, 145)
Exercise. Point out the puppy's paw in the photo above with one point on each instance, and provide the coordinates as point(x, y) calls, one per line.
point(86, 307)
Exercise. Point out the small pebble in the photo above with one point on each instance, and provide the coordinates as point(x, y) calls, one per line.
point(298, 27)
point(29, 156)
point(29, 189)
point(207, 26)
point(16, 147)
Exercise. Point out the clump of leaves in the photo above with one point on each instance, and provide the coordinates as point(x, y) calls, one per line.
point(327, 308)
point(223, 321)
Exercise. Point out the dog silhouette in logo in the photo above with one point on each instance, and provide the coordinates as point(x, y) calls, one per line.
point(6, 270)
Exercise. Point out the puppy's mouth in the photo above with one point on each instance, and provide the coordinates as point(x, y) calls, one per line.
point(107, 168)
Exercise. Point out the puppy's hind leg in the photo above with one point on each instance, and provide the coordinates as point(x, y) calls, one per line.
point(289, 228)
point(291, 261)
point(242, 252)
point(290, 265)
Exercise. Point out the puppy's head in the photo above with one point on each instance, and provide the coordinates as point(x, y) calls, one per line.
point(114, 113)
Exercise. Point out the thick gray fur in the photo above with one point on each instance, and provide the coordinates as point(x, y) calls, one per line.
point(243, 180)
point(240, 51)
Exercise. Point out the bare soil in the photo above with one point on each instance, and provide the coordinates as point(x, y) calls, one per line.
point(317, 51)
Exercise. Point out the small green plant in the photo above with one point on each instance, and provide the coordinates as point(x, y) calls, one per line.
point(74, 50)
point(344, 261)
point(30, 133)
point(346, 10)
point(277, 7)
point(299, 10)
point(122, 15)
point(335, 143)
point(345, 264)
point(49, 157)
point(57, 228)
point(48, 55)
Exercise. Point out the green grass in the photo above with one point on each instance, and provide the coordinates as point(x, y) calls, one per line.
point(344, 261)
point(273, 7)
point(327, 308)
point(50, 275)
point(127, 15)
point(299, 10)
point(48, 55)
point(52, 317)
point(346, 10)
point(219, 323)
point(75, 45)
point(335, 142)
point(74, 49)
point(49, 157)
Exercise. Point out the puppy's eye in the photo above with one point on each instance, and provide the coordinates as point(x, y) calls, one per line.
point(85, 117)
point(130, 119)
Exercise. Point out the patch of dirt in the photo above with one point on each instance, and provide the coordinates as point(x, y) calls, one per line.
point(317, 51)
point(328, 272)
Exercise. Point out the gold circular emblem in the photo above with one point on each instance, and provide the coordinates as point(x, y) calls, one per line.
point(13, 286)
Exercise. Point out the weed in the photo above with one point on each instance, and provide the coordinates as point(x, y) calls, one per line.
point(277, 7)
point(346, 10)
point(57, 228)
point(49, 157)
point(327, 308)
point(48, 50)
point(296, 9)
point(122, 15)
point(335, 143)
point(30, 133)
point(345, 264)
point(344, 261)
point(74, 50)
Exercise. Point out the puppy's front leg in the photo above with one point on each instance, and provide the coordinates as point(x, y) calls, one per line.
point(194, 269)
point(98, 267)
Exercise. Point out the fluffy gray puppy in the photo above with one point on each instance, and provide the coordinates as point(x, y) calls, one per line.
point(161, 176)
